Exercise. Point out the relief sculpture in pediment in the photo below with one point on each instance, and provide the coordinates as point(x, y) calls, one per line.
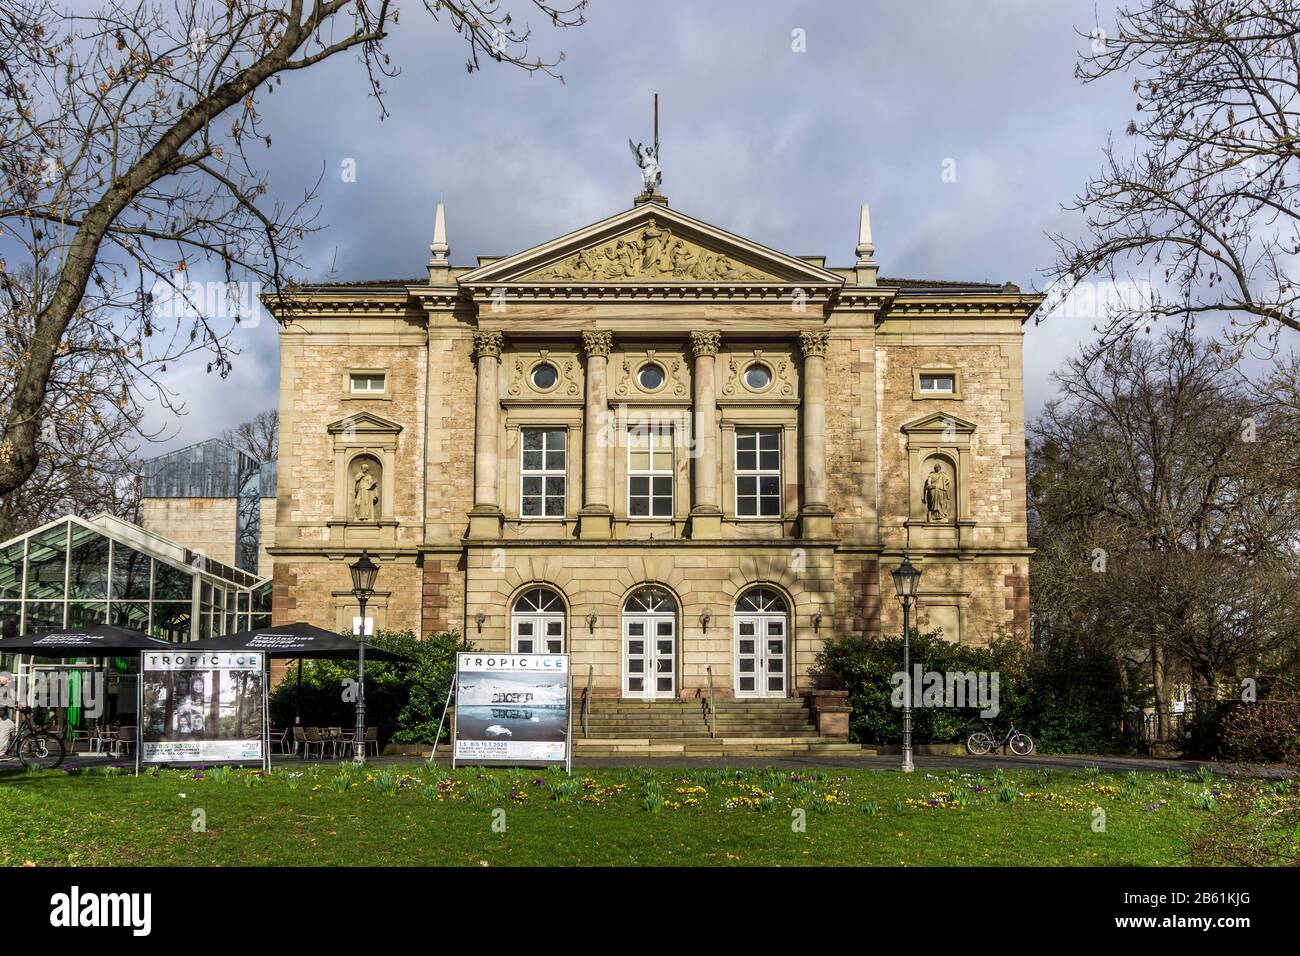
point(652, 252)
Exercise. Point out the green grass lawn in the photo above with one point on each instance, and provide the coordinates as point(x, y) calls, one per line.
point(339, 815)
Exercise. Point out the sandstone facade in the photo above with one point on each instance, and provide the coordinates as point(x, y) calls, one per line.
point(679, 456)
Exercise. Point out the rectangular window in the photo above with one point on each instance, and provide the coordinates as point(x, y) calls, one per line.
point(541, 472)
point(366, 383)
point(758, 472)
point(650, 472)
point(935, 384)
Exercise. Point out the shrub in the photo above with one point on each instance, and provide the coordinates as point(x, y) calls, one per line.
point(404, 700)
point(1068, 696)
point(1266, 731)
point(865, 669)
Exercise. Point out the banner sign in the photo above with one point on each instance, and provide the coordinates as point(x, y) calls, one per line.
point(511, 708)
point(202, 707)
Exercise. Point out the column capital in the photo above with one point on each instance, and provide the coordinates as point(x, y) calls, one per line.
point(813, 342)
point(598, 342)
point(487, 344)
point(706, 343)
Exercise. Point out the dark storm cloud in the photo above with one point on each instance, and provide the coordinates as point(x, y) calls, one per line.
point(777, 145)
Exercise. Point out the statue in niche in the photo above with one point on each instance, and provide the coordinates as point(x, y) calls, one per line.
point(365, 497)
point(937, 495)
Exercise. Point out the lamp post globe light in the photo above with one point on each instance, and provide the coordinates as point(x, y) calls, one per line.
point(906, 578)
point(364, 572)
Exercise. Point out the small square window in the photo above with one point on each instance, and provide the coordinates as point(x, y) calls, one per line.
point(366, 383)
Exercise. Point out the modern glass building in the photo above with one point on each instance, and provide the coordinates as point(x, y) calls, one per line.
point(75, 571)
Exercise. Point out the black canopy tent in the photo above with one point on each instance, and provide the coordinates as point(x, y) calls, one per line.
point(297, 640)
point(93, 640)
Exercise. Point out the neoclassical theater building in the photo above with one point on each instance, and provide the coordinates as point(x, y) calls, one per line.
point(662, 448)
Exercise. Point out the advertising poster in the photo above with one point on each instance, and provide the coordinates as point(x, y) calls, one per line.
point(511, 708)
point(202, 707)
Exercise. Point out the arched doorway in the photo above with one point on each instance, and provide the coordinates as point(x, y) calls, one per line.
point(537, 622)
point(762, 629)
point(650, 644)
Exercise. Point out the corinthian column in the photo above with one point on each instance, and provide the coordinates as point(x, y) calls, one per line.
point(706, 516)
point(595, 518)
point(815, 516)
point(485, 518)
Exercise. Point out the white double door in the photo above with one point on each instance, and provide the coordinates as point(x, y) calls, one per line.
point(538, 633)
point(650, 656)
point(762, 655)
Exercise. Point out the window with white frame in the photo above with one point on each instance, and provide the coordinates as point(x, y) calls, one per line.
point(758, 472)
point(938, 383)
point(366, 383)
point(650, 472)
point(542, 472)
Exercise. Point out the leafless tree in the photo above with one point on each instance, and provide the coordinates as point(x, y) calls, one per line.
point(1206, 207)
point(1166, 513)
point(129, 141)
point(259, 437)
point(89, 426)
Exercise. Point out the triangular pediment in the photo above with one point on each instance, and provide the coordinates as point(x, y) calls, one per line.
point(650, 244)
point(364, 423)
point(940, 422)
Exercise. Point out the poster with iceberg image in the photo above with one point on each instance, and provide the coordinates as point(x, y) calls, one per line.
point(511, 708)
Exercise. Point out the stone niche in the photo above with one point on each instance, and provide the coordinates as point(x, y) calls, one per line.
point(365, 450)
point(938, 467)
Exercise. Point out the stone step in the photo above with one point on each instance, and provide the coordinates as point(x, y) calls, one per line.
point(716, 747)
point(729, 730)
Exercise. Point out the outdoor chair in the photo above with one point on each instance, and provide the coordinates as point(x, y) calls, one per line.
point(372, 739)
point(104, 737)
point(280, 738)
point(72, 735)
point(124, 741)
point(313, 739)
point(299, 740)
point(343, 745)
point(334, 737)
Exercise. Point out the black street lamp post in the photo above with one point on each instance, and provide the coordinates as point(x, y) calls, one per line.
point(906, 579)
point(363, 585)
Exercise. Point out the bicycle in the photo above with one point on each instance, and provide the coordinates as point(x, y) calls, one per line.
point(34, 746)
point(981, 742)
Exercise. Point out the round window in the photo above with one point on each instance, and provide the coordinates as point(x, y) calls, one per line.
point(544, 377)
point(650, 377)
point(758, 377)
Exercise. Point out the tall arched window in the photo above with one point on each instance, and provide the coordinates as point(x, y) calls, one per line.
point(537, 622)
point(762, 626)
point(650, 644)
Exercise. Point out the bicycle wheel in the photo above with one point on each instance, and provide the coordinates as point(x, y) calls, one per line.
point(980, 743)
point(1022, 745)
point(41, 750)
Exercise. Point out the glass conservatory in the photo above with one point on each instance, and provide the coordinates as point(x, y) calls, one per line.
point(73, 571)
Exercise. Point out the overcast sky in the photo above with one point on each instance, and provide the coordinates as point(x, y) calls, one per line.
point(777, 145)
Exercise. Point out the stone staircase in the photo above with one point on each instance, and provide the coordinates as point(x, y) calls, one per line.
point(626, 728)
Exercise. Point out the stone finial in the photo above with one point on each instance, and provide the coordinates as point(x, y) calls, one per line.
point(706, 343)
point(866, 263)
point(438, 249)
point(487, 344)
point(597, 343)
point(813, 342)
